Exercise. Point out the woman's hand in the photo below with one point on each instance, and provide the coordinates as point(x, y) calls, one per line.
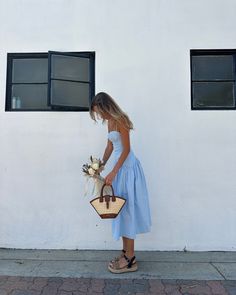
point(109, 178)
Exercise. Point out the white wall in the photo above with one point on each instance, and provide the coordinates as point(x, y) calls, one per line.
point(142, 59)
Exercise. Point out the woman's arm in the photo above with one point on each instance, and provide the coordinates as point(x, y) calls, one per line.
point(108, 151)
point(126, 149)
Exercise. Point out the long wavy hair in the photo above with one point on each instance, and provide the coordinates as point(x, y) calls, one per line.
point(106, 104)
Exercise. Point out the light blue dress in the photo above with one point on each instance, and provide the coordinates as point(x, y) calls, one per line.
point(130, 183)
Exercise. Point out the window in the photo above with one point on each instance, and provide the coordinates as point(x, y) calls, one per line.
point(53, 81)
point(213, 79)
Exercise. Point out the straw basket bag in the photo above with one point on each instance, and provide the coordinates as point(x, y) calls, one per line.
point(108, 206)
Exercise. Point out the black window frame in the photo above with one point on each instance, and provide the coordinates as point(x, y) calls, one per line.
point(11, 56)
point(199, 52)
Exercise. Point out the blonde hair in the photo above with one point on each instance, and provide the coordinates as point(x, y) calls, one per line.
point(106, 104)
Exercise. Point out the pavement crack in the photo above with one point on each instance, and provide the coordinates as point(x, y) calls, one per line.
point(218, 270)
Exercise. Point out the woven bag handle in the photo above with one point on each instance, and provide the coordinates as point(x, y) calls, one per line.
point(107, 199)
point(103, 189)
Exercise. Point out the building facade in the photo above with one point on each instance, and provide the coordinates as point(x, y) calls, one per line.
point(152, 56)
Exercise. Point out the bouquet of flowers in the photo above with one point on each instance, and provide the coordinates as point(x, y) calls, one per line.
point(93, 168)
point(92, 171)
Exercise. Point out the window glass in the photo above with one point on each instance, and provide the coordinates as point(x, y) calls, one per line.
point(212, 67)
point(67, 93)
point(30, 70)
point(29, 96)
point(70, 68)
point(213, 94)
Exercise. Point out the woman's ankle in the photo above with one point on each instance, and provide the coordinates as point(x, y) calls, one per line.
point(129, 254)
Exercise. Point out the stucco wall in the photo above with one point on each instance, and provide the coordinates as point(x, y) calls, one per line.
point(143, 60)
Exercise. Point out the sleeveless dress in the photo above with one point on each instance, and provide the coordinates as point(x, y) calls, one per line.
point(129, 183)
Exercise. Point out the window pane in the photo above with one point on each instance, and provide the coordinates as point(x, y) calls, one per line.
point(31, 96)
point(213, 94)
point(30, 70)
point(66, 93)
point(212, 67)
point(70, 68)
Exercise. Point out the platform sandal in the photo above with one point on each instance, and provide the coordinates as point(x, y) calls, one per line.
point(118, 257)
point(131, 266)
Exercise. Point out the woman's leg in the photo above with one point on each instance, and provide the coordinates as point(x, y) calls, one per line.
point(128, 245)
point(124, 243)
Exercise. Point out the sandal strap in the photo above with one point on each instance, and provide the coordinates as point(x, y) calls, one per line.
point(130, 261)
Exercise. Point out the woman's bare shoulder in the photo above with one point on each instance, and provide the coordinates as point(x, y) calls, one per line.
point(122, 126)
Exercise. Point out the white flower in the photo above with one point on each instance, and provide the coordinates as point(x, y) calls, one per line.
point(95, 166)
point(91, 171)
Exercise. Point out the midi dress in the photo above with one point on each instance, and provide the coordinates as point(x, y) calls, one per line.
point(129, 183)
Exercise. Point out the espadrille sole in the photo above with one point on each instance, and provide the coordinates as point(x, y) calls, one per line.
point(124, 269)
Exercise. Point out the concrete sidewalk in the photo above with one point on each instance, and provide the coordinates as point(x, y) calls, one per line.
point(93, 264)
point(214, 272)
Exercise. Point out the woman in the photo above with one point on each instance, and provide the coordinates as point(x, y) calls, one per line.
point(127, 178)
